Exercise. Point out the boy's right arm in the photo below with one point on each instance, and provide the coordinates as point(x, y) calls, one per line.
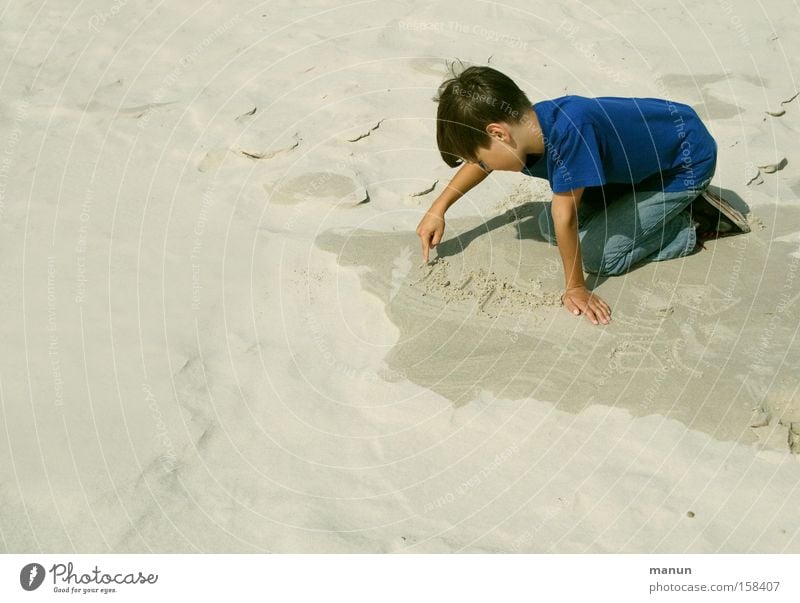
point(431, 227)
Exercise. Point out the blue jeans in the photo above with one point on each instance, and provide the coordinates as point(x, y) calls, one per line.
point(634, 227)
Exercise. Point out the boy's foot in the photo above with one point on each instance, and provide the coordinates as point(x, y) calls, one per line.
point(714, 218)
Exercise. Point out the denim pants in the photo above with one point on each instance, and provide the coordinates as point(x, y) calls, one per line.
point(631, 228)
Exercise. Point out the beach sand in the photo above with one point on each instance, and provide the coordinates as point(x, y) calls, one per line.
point(220, 335)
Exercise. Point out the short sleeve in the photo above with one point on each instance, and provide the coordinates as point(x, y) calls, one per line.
point(575, 160)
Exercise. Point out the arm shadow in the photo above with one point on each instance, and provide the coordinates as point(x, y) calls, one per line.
point(526, 217)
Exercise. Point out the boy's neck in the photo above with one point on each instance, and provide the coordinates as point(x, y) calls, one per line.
point(530, 134)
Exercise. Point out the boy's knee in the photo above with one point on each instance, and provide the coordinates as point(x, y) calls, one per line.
point(603, 265)
point(606, 255)
point(606, 269)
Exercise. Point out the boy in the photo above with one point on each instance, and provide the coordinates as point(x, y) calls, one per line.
point(624, 174)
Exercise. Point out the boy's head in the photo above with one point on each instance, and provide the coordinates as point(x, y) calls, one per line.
point(468, 103)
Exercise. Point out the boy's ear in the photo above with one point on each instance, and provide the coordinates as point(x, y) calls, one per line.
point(497, 130)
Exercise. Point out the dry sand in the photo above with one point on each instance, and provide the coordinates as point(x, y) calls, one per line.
point(219, 335)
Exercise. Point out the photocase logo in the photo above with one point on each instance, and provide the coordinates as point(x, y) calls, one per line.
point(31, 576)
point(65, 580)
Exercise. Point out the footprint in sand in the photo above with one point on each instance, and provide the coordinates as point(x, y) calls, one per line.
point(714, 107)
point(216, 157)
point(339, 188)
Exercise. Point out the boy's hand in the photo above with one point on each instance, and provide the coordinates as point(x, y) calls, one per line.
point(579, 300)
point(430, 231)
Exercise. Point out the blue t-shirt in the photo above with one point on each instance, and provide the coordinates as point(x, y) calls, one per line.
point(648, 142)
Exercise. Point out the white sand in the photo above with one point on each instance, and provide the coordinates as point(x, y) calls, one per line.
point(218, 335)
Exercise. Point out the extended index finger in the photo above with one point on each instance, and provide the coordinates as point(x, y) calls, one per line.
point(425, 248)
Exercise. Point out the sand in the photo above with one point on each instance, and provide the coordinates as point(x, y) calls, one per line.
point(220, 335)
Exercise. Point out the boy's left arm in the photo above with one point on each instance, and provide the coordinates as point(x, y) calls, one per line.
point(577, 298)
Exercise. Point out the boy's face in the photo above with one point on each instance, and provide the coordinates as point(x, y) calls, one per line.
point(503, 154)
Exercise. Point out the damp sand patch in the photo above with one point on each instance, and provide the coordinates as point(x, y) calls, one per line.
point(690, 339)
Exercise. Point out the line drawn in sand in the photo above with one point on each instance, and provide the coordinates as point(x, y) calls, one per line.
point(492, 293)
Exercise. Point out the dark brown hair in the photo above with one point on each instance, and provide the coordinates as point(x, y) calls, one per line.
point(468, 102)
